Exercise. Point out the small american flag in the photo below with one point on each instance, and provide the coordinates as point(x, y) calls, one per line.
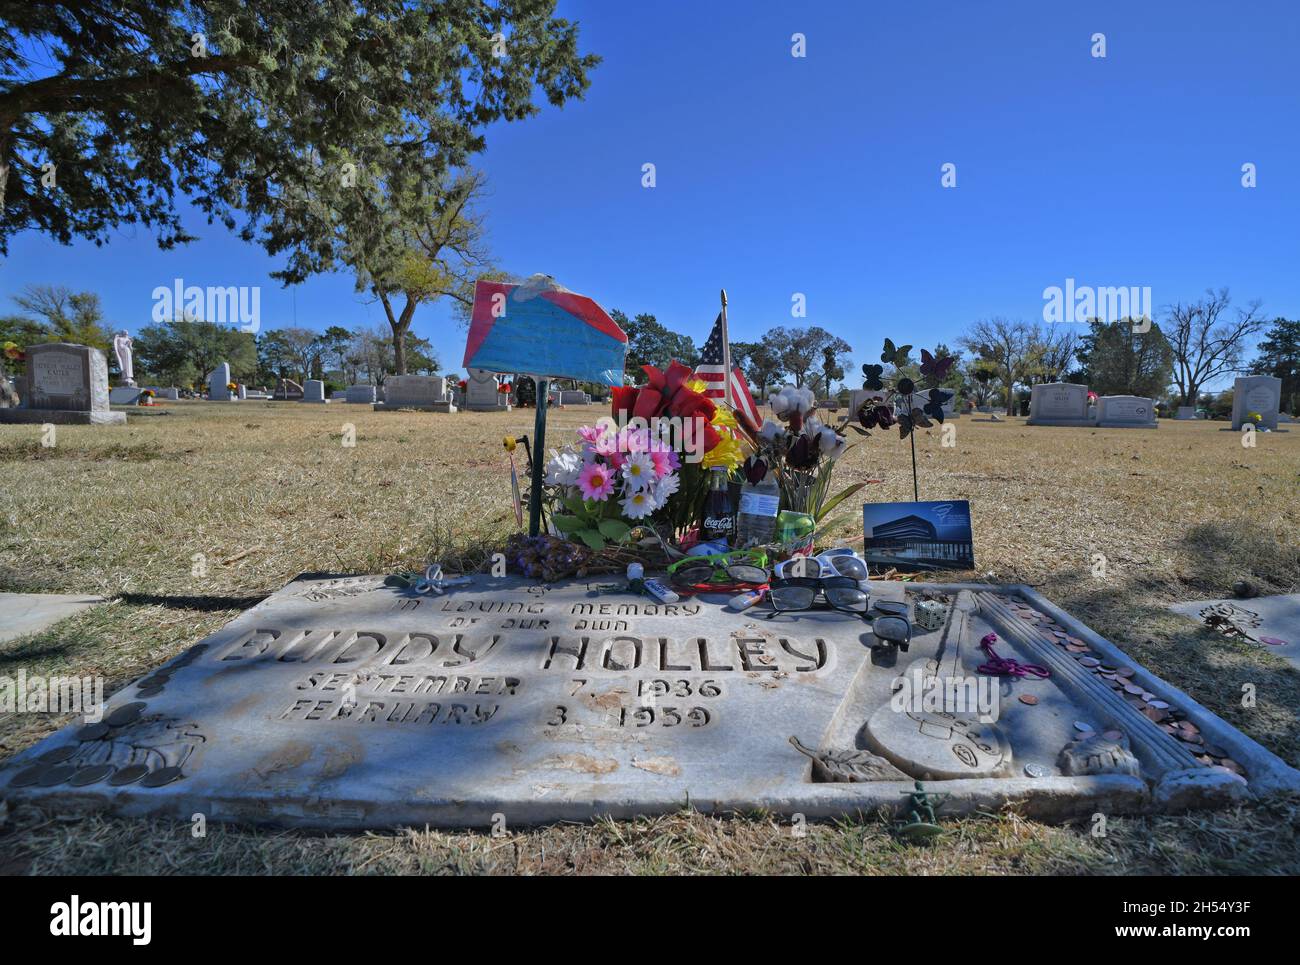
point(711, 370)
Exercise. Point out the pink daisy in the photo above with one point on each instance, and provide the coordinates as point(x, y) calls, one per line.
point(596, 481)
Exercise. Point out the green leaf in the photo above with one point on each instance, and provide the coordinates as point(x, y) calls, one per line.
point(575, 505)
point(614, 529)
point(592, 538)
point(568, 524)
point(838, 498)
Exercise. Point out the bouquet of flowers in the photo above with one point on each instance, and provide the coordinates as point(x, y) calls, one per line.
point(801, 451)
point(645, 466)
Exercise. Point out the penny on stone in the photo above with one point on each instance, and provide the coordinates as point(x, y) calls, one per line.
point(1083, 727)
point(1090, 661)
point(28, 776)
point(90, 775)
point(126, 714)
point(1112, 735)
point(1029, 699)
point(164, 775)
point(1036, 770)
point(57, 774)
point(149, 691)
point(1126, 671)
point(93, 732)
point(58, 755)
point(128, 775)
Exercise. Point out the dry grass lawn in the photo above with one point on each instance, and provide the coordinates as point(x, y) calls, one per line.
point(259, 492)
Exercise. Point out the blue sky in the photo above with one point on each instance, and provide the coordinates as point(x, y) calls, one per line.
point(821, 175)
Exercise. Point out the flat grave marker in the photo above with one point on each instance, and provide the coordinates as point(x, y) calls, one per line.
point(348, 702)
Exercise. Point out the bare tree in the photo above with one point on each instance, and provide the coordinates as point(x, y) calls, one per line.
point(1051, 351)
point(440, 252)
point(1003, 346)
point(1205, 347)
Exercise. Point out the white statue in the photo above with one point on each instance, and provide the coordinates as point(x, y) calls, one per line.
point(122, 349)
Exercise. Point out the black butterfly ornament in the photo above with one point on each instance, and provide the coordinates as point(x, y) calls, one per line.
point(894, 355)
point(871, 377)
point(935, 406)
point(936, 368)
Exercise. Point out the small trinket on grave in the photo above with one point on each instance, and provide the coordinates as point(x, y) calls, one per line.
point(931, 614)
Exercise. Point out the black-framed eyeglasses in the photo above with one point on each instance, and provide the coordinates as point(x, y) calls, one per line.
point(806, 592)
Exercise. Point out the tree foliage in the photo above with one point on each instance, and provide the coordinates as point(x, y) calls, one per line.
point(272, 113)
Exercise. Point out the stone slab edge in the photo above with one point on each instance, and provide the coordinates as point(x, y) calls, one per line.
point(1267, 771)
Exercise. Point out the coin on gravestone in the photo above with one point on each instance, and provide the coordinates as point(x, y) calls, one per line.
point(1083, 728)
point(57, 774)
point(1029, 699)
point(93, 732)
point(128, 775)
point(90, 775)
point(1035, 770)
point(58, 755)
point(28, 776)
point(126, 714)
point(164, 775)
point(149, 691)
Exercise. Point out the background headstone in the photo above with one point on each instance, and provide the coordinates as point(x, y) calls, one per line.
point(1256, 393)
point(481, 393)
point(425, 392)
point(65, 383)
point(124, 395)
point(218, 382)
point(358, 394)
point(313, 390)
point(1186, 412)
point(1058, 404)
point(1126, 412)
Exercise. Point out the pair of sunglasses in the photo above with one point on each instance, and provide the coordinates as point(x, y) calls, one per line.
point(707, 569)
point(822, 567)
point(804, 593)
point(890, 623)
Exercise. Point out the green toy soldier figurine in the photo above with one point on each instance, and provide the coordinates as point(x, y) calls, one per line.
point(923, 824)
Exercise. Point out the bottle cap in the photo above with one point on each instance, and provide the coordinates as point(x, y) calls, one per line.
point(635, 571)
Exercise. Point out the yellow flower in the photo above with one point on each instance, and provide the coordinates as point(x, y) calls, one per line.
point(726, 453)
point(698, 386)
point(725, 417)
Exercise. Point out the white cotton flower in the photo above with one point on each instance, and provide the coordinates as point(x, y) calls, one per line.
point(639, 471)
point(805, 400)
point(831, 443)
point(770, 431)
point(813, 426)
point(563, 467)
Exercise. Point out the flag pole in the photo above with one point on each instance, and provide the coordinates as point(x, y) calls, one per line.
point(726, 353)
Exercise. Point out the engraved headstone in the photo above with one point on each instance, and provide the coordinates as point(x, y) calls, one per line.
point(1186, 412)
point(361, 394)
point(65, 383)
point(482, 393)
point(1126, 412)
point(1261, 394)
point(1058, 404)
point(219, 383)
point(313, 390)
point(424, 392)
point(357, 702)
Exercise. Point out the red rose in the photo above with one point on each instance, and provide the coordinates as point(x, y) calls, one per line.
point(624, 399)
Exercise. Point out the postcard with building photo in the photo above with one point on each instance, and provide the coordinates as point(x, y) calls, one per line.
point(919, 536)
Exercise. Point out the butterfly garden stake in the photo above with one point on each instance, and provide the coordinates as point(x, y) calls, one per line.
point(917, 405)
